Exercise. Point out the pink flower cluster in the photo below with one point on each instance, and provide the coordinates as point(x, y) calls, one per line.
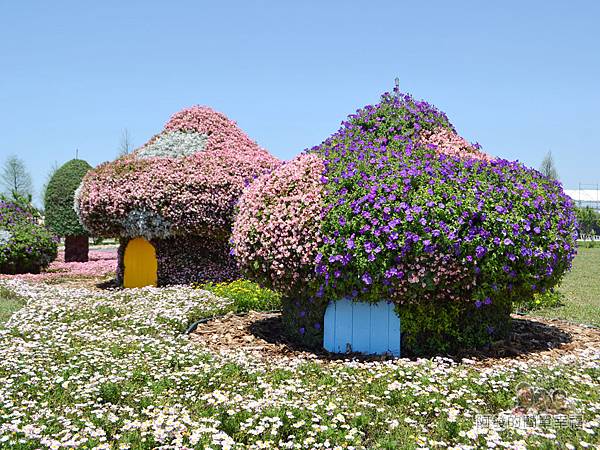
point(164, 196)
point(223, 133)
point(447, 142)
point(451, 278)
point(101, 263)
point(277, 230)
point(278, 226)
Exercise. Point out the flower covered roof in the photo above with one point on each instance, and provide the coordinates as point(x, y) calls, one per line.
point(407, 210)
point(185, 180)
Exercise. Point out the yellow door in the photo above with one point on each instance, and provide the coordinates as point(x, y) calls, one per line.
point(140, 264)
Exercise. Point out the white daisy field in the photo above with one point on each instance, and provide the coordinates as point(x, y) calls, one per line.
point(85, 368)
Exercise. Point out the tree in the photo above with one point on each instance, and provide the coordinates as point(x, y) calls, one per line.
point(548, 168)
point(588, 221)
point(15, 180)
point(61, 217)
point(126, 145)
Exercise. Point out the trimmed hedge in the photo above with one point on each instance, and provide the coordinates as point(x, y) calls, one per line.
point(60, 215)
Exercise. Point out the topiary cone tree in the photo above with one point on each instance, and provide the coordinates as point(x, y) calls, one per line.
point(61, 217)
point(172, 200)
point(396, 206)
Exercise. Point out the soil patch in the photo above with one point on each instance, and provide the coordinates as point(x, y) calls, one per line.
point(261, 335)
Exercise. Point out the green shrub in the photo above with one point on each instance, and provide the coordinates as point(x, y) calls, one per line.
point(587, 244)
point(246, 295)
point(25, 245)
point(432, 327)
point(548, 299)
point(59, 199)
point(588, 221)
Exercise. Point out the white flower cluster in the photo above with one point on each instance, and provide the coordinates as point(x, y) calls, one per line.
point(111, 370)
point(5, 236)
point(173, 144)
point(77, 203)
point(107, 353)
point(149, 224)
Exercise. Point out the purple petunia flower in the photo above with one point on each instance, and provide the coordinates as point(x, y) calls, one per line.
point(366, 278)
point(350, 243)
point(480, 252)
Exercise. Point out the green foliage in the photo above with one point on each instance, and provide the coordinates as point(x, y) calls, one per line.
point(304, 323)
point(588, 221)
point(21, 206)
point(25, 245)
point(246, 295)
point(60, 215)
point(10, 302)
point(548, 299)
point(110, 393)
point(446, 327)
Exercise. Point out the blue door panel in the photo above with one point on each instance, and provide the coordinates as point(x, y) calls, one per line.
point(393, 330)
point(343, 327)
point(368, 328)
point(361, 324)
point(379, 328)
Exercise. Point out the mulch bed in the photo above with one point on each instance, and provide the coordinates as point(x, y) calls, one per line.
point(261, 335)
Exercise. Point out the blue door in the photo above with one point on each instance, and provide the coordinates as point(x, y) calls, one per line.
point(368, 328)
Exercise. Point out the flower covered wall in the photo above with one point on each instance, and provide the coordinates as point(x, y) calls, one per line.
point(410, 212)
point(183, 183)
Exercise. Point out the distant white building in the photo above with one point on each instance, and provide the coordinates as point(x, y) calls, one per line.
point(585, 197)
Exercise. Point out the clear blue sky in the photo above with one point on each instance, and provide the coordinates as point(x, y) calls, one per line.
point(521, 78)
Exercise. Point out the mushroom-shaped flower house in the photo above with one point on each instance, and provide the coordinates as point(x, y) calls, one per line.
point(397, 230)
point(171, 201)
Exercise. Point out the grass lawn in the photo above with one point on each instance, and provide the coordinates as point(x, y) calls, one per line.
point(581, 289)
point(9, 303)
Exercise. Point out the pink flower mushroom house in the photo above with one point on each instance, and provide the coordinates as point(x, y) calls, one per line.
point(171, 201)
